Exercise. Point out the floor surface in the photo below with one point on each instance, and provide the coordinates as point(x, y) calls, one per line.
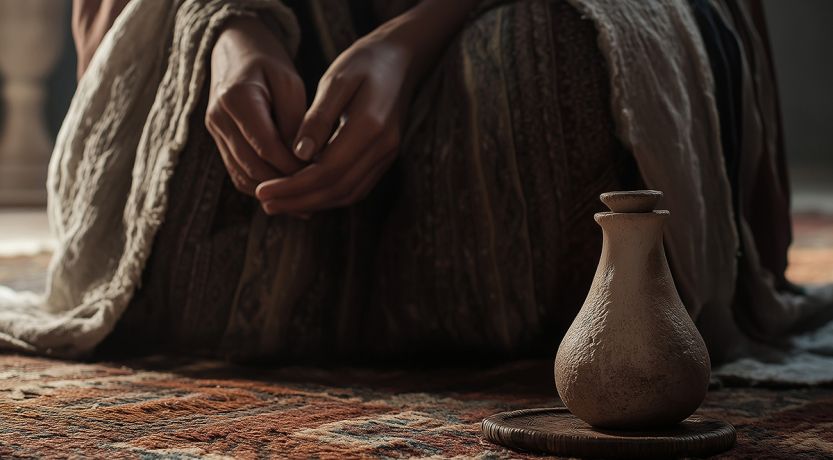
point(173, 408)
point(177, 408)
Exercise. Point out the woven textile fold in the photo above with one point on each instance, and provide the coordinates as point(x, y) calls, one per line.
point(114, 155)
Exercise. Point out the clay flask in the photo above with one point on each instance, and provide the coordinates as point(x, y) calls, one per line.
point(632, 358)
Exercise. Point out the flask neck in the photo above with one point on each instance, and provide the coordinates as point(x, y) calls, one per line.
point(631, 239)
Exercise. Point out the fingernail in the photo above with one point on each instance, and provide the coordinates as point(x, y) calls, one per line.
point(305, 148)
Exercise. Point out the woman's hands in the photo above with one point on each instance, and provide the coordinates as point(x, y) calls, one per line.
point(363, 97)
point(351, 132)
point(256, 103)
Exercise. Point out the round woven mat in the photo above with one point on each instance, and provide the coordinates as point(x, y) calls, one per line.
point(557, 431)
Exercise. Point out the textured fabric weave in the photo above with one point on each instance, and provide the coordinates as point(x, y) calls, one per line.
point(118, 149)
point(109, 174)
point(480, 240)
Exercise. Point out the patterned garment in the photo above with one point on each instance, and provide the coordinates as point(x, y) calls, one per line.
point(480, 240)
point(164, 408)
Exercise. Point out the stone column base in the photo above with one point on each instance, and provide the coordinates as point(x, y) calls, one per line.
point(22, 185)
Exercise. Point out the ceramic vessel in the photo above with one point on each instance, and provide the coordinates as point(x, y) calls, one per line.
point(632, 358)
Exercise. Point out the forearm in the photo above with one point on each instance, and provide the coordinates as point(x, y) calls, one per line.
point(427, 28)
point(91, 19)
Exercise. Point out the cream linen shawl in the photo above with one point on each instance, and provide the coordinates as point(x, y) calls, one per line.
point(114, 156)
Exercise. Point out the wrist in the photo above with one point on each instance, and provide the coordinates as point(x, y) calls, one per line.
point(424, 31)
point(250, 34)
point(243, 25)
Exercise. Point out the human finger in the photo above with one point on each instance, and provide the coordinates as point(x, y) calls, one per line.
point(288, 103)
point(239, 149)
point(248, 107)
point(242, 182)
point(325, 185)
point(333, 95)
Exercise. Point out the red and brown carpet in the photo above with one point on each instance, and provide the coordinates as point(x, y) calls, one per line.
point(164, 407)
point(171, 408)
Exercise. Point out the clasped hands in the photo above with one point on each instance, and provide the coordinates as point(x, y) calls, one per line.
point(296, 159)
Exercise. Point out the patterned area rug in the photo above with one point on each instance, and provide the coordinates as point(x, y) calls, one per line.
point(166, 407)
point(172, 408)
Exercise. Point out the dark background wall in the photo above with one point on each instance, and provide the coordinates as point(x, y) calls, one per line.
point(802, 43)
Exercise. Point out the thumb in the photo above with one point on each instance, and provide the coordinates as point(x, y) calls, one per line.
point(330, 103)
